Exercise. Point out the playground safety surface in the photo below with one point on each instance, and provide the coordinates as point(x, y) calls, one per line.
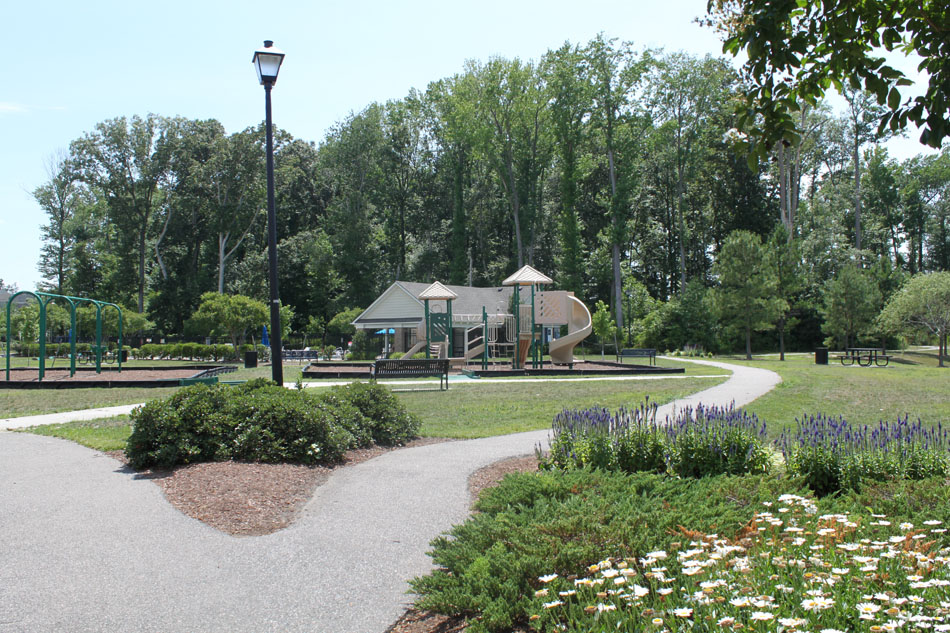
point(585, 368)
point(28, 377)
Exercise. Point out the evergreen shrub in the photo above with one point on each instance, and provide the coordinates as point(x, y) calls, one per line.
point(259, 421)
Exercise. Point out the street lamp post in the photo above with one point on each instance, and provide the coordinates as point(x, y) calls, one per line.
point(267, 61)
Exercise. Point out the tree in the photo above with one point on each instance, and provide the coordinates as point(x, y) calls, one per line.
point(230, 315)
point(571, 90)
point(798, 50)
point(747, 286)
point(785, 260)
point(341, 325)
point(127, 161)
point(851, 301)
point(922, 304)
point(603, 325)
point(59, 198)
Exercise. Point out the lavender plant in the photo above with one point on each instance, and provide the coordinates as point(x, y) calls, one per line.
point(832, 455)
point(693, 443)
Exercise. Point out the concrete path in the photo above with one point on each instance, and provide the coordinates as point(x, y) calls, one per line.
point(87, 546)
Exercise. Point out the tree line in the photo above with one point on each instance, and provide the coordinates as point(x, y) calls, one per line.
point(619, 171)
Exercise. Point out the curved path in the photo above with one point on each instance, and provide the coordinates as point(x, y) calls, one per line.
point(86, 546)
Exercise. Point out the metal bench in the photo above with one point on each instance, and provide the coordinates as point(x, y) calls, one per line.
point(414, 368)
point(637, 353)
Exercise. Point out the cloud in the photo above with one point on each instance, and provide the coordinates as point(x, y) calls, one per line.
point(7, 107)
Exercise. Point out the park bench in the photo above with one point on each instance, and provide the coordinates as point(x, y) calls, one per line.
point(301, 354)
point(637, 353)
point(414, 368)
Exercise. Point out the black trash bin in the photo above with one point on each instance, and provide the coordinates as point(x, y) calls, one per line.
point(250, 360)
point(821, 355)
point(125, 355)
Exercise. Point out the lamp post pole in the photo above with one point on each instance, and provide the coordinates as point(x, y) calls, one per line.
point(267, 61)
point(276, 353)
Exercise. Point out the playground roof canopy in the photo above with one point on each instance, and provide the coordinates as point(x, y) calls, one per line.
point(437, 291)
point(527, 276)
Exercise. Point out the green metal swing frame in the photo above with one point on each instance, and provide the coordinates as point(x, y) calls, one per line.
point(44, 299)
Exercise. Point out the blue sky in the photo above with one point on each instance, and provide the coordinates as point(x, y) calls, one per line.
point(76, 64)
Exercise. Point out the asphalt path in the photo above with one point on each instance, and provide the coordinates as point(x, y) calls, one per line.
point(86, 545)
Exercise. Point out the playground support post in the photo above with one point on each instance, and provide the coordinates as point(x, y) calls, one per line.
point(484, 338)
point(428, 337)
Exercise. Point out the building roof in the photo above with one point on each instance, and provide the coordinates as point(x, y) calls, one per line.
point(527, 276)
point(469, 299)
point(399, 305)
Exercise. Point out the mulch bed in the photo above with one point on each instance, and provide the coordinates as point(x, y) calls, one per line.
point(108, 373)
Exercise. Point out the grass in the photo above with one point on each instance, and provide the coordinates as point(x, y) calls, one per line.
point(470, 410)
point(104, 434)
point(15, 403)
point(863, 395)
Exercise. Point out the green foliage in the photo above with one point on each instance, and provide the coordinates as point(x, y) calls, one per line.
point(851, 301)
point(341, 325)
point(389, 424)
point(923, 304)
point(747, 292)
point(684, 321)
point(561, 522)
point(603, 324)
point(364, 346)
point(229, 315)
point(259, 421)
point(798, 51)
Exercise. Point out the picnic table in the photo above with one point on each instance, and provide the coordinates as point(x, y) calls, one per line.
point(865, 356)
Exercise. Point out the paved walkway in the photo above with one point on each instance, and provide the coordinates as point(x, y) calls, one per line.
point(87, 546)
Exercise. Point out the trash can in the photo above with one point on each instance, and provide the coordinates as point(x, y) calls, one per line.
point(821, 355)
point(125, 355)
point(250, 360)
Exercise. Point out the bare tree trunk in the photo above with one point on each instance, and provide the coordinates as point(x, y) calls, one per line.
point(781, 338)
point(857, 196)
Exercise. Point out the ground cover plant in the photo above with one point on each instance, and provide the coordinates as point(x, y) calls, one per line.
point(260, 421)
point(591, 550)
point(790, 567)
point(693, 443)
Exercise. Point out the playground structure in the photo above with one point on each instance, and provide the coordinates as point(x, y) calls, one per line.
point(44, 299)
point(510, 321)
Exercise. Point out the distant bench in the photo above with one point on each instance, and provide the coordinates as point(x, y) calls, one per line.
point(637, 353)
point(301, 354)
point(414, 368)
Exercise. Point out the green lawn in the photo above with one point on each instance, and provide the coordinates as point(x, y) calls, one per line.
point(479, 410)
point(105, 434)
point(15, 403)
point(863, 395)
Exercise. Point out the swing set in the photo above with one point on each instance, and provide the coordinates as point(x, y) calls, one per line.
point(44, 299)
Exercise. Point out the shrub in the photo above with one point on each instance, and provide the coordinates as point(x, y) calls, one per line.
point(389, 422)
point(833, 455)
point(259, 421)
point(709, 441)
